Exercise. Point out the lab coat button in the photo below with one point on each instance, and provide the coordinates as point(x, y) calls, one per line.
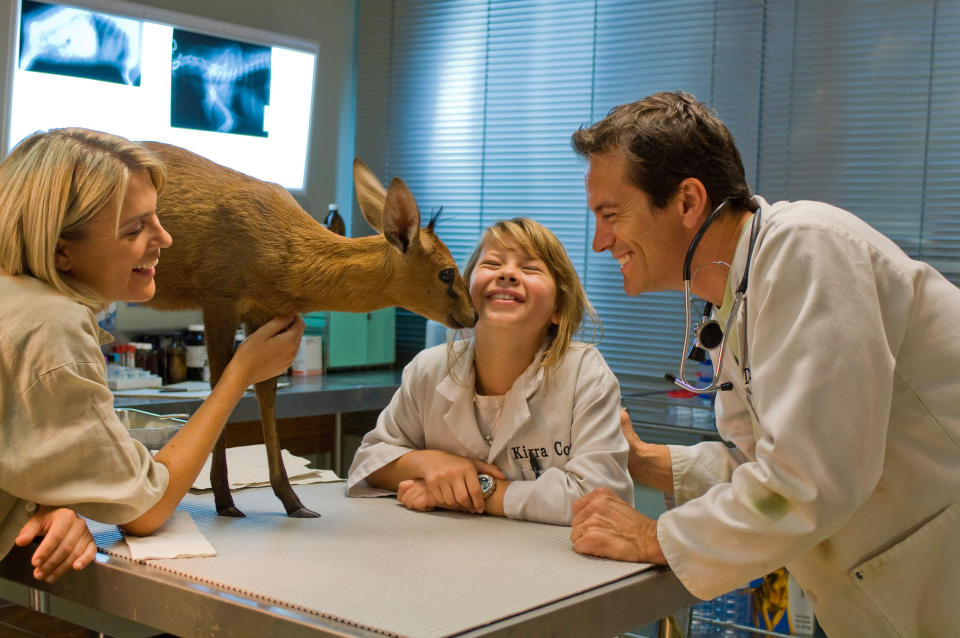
point(30, 507)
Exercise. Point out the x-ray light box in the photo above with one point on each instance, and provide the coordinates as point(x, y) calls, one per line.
point(243, 104)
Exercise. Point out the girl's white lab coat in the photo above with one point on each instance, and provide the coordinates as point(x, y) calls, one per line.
point(571, 425)
point(847, 460)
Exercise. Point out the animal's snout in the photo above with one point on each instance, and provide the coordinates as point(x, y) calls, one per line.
point(453, 322)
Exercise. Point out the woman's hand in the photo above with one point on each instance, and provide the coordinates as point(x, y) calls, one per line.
point(452, 479)
point(66, 542)
point(270, 350)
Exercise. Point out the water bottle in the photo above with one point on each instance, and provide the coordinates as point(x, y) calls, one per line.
point(705, 375)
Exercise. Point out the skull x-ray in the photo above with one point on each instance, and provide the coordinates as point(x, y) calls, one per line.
point(218, 85)
point(79, 43)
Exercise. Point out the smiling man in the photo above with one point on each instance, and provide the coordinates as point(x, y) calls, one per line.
point(838, 394)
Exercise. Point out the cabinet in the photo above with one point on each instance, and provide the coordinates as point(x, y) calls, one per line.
point(354, 340)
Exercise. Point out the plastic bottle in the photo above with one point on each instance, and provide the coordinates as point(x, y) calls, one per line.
point(705, 375)
point(196, 353)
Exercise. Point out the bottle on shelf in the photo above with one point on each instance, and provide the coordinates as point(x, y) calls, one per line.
point(196, 354)
point(333, 220)
point(176, 360)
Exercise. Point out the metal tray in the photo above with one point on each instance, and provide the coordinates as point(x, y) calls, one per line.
point(153, 430)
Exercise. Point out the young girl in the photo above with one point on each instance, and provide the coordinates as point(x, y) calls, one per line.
point(78, 230)
point(520, 421)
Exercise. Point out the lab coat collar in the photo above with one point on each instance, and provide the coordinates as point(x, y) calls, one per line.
point(461, 417)
point(740, 255)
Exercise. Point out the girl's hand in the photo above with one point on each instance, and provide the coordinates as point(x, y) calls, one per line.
point(452, 479)
point(270, 350)
point(66, 542)
point(414, 495)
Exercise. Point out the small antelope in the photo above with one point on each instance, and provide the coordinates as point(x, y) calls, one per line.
point(244, 251)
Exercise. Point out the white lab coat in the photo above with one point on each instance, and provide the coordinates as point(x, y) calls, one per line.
point(571, 425)
point(847, 461)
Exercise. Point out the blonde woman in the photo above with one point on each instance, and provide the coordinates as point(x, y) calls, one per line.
point(79, 230)
point(520, 420)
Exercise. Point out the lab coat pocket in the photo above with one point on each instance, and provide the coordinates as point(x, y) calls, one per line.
point(914, 584)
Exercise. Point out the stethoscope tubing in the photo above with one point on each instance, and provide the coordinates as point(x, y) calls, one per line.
point(739, 305)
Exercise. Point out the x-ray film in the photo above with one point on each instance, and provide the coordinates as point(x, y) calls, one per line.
point(218, 85)
point(79, 43)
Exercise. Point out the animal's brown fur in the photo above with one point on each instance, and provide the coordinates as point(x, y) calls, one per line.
point(244, 251)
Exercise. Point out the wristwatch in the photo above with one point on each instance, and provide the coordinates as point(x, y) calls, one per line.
point(488, 484)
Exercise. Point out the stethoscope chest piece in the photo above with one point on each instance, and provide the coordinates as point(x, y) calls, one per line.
point(708, 334)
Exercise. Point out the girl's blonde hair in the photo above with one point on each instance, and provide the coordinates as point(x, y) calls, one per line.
point(52, 185)
point(536, 240)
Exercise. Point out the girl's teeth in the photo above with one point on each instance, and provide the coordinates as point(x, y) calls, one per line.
point(623, 260)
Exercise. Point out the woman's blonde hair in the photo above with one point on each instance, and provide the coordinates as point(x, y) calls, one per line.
point(539, 242)
point(52, 185)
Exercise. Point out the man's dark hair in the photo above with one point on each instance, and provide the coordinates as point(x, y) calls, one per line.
point(668, 137)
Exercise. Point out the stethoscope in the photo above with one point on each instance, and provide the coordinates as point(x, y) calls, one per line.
point(707, 333)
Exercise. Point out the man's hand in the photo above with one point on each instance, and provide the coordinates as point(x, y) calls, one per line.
point(634, 464)
point(648, 463)
point(66, 542)
point(604, 525)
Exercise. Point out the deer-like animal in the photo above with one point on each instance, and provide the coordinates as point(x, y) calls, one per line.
point(244, 251)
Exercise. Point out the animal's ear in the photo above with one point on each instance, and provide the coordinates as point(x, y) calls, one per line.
point(371, 194)
point(401, 217)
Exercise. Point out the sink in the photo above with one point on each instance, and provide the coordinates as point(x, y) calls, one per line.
point(153, 430)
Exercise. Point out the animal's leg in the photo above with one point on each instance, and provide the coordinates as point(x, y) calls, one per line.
point(266, 400)
point(267, 397)
point(219, 333)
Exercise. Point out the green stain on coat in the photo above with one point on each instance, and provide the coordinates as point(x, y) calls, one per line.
point(771, 505)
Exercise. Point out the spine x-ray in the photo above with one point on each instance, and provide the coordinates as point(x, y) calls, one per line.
point(218, 85)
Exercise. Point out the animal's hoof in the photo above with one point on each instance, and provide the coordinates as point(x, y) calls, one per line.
point(231, 511)
point(302, 512)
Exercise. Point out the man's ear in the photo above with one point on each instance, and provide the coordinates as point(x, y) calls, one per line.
point(694, 203)
point(61, 257)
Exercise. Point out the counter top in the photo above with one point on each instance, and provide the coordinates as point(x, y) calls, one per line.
point(367, 567)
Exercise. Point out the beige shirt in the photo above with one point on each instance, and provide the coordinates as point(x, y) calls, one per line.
point(61, 443)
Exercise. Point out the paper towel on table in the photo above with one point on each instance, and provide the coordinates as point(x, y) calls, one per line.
point(179, 537)
point(247, 467)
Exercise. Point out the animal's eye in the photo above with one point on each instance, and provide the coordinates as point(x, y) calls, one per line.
point(446, 276)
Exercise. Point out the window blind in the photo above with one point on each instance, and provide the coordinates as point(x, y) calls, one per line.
point(472, 102)
point(940, 227)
